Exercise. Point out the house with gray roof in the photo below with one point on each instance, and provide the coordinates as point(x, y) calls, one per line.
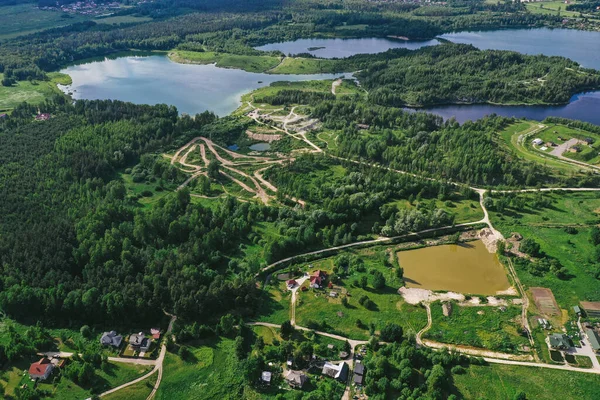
point(111, 339)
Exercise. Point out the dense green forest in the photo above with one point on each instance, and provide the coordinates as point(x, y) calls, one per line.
point(462, 74)
point(75, 247)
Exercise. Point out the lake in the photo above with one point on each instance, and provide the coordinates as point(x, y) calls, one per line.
point(196, 88)
point(580, 46)
point(342, 48)
point(156, 79)
point(463, 268)
point(582, 107)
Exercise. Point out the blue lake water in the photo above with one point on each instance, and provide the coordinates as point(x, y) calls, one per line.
point(196, 88)
point(584, 107)
point(342, 48)
point(580, 46)
point(156, 79)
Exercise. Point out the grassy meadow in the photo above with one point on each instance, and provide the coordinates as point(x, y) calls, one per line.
point(26, 18)
point(31, 92)
point(137, 391)
point(225, 60)
point(574, 251)
point(501, 382)
point(317, 306)
point(486, 327)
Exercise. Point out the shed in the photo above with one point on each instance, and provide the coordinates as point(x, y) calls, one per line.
point(593, 339)
point(537, 141)
point(591, 308)
point(359, 374)
point(266, 377)
point(577, 310)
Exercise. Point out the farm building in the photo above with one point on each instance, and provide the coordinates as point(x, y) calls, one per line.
point(291, 283)
point(359, 374)
point(316, 279)
point(140, 342)
point(577, 310)
point(41, 369)
point(339, 371)
point(295, 379)
point(537, 141)
point(591, 308)
point(593, 339)
point(558, 341)
point(111, 339)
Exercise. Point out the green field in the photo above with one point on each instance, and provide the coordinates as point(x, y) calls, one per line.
point(464, 210)
point(215, 373)
point(291, 65)
point(501, 382)
point(137, 391)
point(26, 18)
point(546, 225)
point(224, 60)
point(551, 8)
point(122, 19)
point(114, 375)
point(275, 306)
point(318, 306)
point(31, 92)
point(485, 327)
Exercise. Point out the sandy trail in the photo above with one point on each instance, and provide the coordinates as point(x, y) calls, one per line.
point(183, 159)
point(334, 85)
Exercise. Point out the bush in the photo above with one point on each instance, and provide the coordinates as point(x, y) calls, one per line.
point(531, 247)
point(391, 333)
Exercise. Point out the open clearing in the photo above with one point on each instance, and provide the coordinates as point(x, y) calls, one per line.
point(545, 301)
point(501, 382)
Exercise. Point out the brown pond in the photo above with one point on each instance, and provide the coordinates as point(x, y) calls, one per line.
point(463, 268)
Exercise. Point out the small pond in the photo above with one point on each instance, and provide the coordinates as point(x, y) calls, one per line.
point(464, 268)
point(342, 48)
point(260, 147)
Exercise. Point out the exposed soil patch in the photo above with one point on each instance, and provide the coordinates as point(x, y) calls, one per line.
point(545, 301)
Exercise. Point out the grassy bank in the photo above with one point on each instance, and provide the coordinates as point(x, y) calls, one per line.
point(549, 226)
point(269, 64)
point(32, 92)
point(485, 327)
point(225, 60)
point(501, 382)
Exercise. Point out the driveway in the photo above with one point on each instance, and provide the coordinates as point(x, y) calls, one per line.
point(585, 349)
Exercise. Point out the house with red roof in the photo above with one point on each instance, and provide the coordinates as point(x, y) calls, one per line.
point(317, 278)
point(291, 283)
point(41, 369)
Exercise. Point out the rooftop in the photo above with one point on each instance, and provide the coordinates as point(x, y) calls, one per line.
point(593, 339)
